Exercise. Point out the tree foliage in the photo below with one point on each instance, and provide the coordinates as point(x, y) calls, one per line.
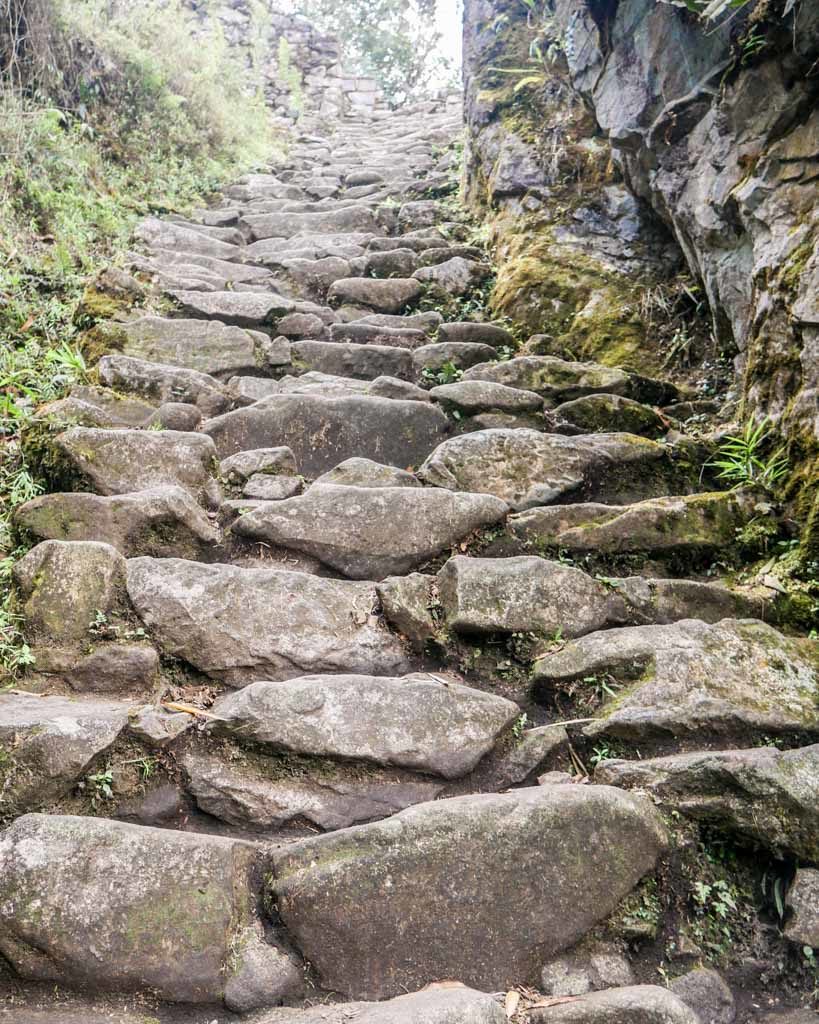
point(394, 41)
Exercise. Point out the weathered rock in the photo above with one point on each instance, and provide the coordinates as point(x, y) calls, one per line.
point(764, 793)
point(691, 681)
point(265, 487)
point(392, 387)
point(635, 1004)
point(371, 532)
point(527, 468)
point(247, 390)
point(427, 321)
point(261, 796)
point(205, 346)
point(178, 416)
point(123, 461)
point(371, 334)
point(414, 722)
point(235, 308)
point(325, 431)
point(62, 587)
point(161, 910)
point(803, 902)
point(560, 381)
point(459, 354)
point(384, 296)
point(476, 333)
point(48, 743)
point(117, 667)
point(705, 992)
point(163, 521)
point(162, 234)
point(473, 396)
point(613, 412)
point(424, 213)
point(158, 727)
point(696, 523)
point(345, 359)
point(444, 872)
point(358, 219)
point(241, 625)
point(589, 968)
point(456, 276)
point(454, 1005)
point(366, 473)
point(243, 465)
point(264, 976)
point(407, 602)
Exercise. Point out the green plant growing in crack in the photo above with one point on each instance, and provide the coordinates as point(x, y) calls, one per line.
point(742, 463)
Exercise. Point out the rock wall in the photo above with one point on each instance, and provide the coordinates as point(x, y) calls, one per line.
point(257, 27)
point(716, 133)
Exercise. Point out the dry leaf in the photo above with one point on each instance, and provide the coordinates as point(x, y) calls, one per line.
point(27, 325)
point(512, 1003)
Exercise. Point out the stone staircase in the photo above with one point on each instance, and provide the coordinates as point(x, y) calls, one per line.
point(322, 574)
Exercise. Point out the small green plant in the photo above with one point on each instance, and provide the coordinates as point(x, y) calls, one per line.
point(599, 754)
point(449, 373)
point(99, 787)
point(520, 725)
point(741, 462)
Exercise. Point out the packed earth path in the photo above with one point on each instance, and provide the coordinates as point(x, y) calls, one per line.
point(376, 660)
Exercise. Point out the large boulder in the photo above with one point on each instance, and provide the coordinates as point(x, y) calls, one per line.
point(528, 468)
point(205, 346)
point(242, 625)
point(264, 794)
point(766, 794)
point(163, 521)
point(101, 905)
point(371, 532)
point(47, 744)
point(416, 722)
point(122, 461)
point(455, 1004)
point(324, 431)
point(427, 894)
point(560, 381)
point(691, 681)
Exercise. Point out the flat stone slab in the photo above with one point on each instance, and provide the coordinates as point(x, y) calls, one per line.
point(613, 412)
point(527, 468)
point(350, 359)
point(163, 521)
point(206, 346)
point(372, 532)
point(47, 743)
point(382, 296)
point(104, 906)
point(252, 796)
point(691, 681)
point(239, 309)
point(474, 396)
point(372, 334)
point(325, 431)
point(425, 895)
point(457, 1005)
point(803, 901)
point(764, 793)
point(123, 461)
point(559, 380)
point(243, 625)
point(415, 722)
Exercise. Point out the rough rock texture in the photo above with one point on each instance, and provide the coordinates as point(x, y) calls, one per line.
point(324, 431)
point(243, 625)
point(415, 722)
point(527, 468)
point(705, 992)
point(764, 793)
point(366, 473)
point(803, 902)
point(455, 1005)
point(104, 905)
point(371, 532)
point(694, 681)
point(46, 744)
point(426, 894)
point(589, 968)
point(635, 1004)
point(161, 383)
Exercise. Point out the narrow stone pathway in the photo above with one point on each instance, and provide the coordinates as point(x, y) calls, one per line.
point(324, 568)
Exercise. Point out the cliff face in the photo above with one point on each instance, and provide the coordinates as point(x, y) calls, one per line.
point(713, 133)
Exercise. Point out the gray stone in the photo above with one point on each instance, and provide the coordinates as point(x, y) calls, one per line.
point(407, 602)
point(473, 396)
point(264, 976)
point(443, 873)
point(455, 1004)
point(205, 346)
point(118, 667)
point(527, 468)
point(803, 903)
point(179, 416)
point(427, 321)
point(613, 412)
point(160, 909)
point(160, 383)
point(366, 473)
point(371, 532)
point(357, 219)
point(634, 1004)
point(371, 334)
point(243, 465)
point(252, 794)
point(247, 390)
point(459, 354)
point(392, 387)
point(235, 308)
point(693, 681)
point(415, 722)
point(477, 333)
point(705, 992)
point(346, 359)
point(123, 461)
point(325, 431)
point(161, 234)
point(241, 625)
point(162, 521)
point(456, 276)
point(589, 968)
point(157, 727)
point(264, 487)
point(48, 743)
point(383, 296)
